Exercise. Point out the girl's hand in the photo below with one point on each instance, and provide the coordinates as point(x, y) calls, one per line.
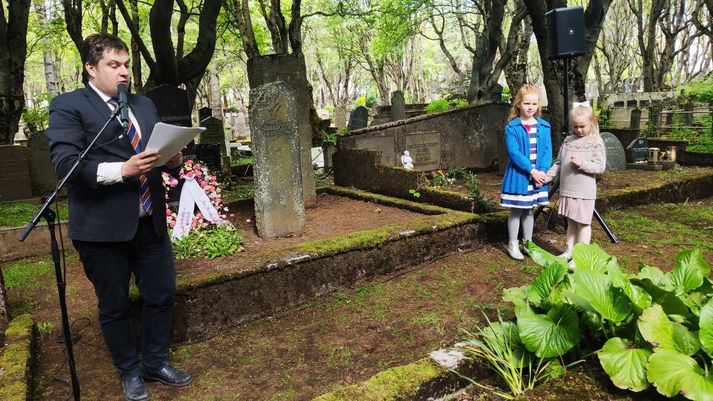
point(576, 161)
point(538, 177)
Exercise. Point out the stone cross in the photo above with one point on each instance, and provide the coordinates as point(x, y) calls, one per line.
point(279, 202)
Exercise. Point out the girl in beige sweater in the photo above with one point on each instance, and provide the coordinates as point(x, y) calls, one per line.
point(580, 158)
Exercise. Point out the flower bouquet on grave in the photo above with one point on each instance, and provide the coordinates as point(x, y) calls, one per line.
point(201, 189)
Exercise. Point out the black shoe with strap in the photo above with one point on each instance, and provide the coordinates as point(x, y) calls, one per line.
point(134, 388)
point(169, 376)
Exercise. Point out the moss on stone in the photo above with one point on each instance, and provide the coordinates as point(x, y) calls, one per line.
point(385, 200)
point(397, 383)
point(15, 361)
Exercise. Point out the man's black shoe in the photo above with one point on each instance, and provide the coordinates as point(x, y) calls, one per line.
point(169, 376)
point(134, 388)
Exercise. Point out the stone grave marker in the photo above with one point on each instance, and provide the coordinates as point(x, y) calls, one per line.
point(359, 118)
point(637, 150)
point(635, 119)
point(209, 154)
point(279, 202)
point(15, 177)
point(42, 176)
point(425, 150)
point(215, 134)
point(340, 117)
point(172, 107)
point(398, 106)
point(616, 157)
point(204, 112)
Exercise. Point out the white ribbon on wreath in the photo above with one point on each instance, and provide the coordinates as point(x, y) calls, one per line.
point(192, 194)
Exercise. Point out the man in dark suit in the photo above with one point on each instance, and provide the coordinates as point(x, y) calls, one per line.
point(117, 219)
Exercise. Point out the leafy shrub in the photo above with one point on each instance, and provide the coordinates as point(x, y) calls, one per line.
point(209, 243)
point(473, 188)
point(437, 106)
point(703, 90)
point(700, 147)
point(650, 328)
point(371, 101)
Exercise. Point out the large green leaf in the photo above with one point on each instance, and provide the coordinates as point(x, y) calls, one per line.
point(673, 373)
point(637, 295)
point(668, 300)
point(654, 274)
point(549, 277)
point(625, 364)
point(549, 335)
point(662, 333)
point(691, 268)
point(705, 335)
point(591, 257)
point(542, 257)
point(597, 291)
point(516, 295)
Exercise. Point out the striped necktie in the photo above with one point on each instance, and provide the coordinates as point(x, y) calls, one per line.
point(134, 137)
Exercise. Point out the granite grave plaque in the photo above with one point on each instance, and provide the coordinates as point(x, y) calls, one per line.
point(425, 150)
point(15, 177)
point(359, 118)
point(637, 151)
point(616, 157)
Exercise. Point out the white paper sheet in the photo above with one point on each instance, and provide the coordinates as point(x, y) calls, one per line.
point(170, 139)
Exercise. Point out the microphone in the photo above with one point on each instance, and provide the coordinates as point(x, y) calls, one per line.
point(123, 104)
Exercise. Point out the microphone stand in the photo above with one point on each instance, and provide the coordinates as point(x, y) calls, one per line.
point(50, 216)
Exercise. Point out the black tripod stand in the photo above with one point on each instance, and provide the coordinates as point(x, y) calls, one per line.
point(554, 187)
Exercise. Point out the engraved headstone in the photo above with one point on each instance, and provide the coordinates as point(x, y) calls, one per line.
point(279, 202)
point(359, 118)
point(635, 119)
point(340, 117)
point(209, 154)
point(15, 177)
point(425, 150)
point(42, 175)
point(173, 108)
point(637, 150)
point(215, 133)
point(398, 106)
point(616, 157)
point(204, 112)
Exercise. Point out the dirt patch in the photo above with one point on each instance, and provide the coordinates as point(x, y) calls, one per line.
point(354, 333)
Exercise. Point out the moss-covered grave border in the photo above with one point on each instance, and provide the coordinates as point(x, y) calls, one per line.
point(16, 359)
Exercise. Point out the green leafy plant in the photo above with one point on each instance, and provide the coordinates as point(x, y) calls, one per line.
point(414, 193)
point(209, 243)
point(499, 346)
point(650, 328)
point(473, 188)
point(437, 106)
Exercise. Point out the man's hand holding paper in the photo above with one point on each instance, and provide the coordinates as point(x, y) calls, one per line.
point(169, 139)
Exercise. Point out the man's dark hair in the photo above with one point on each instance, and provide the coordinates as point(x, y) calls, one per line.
point(94, 46)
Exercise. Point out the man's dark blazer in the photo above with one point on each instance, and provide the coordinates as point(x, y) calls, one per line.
point(101, 213)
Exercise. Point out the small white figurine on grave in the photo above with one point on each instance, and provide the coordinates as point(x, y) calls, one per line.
point(406, 160)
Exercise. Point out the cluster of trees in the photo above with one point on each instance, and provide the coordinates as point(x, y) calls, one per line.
point(351, 48)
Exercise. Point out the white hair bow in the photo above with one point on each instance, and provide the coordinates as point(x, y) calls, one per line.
point(582, 104)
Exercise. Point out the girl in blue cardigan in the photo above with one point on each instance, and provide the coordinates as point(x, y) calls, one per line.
point(527, 138)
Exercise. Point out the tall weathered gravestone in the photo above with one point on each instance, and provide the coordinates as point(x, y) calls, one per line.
point(15, 177)
point(340, 117)
point(279, 202)
point(358, 119)
point(398, 106)
point(42, 175)
point(173, 108)
point(616, 158)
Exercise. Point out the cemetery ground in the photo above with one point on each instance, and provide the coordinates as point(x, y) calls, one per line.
point(349, 335)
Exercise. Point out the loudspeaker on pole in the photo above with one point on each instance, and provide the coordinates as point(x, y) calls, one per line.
point(566, 26)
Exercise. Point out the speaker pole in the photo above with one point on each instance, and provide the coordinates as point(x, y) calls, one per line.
point(565, 92)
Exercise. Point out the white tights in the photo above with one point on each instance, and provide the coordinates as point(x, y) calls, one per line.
point(577, 232)
point(517, 218)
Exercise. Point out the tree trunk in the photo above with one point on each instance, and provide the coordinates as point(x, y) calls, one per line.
point(516, 69)
point(13, 49)
point(593, 21)
point(50, 73)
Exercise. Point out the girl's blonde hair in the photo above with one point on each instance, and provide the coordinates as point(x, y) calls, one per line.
point(526, 89)
point(587, 112)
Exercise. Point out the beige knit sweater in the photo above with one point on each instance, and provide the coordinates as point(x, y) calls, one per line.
point(579, 182)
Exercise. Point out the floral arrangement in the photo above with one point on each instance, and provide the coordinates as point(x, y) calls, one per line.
point(209, 183)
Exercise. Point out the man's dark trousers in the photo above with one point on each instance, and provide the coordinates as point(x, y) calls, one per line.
point(109, 266)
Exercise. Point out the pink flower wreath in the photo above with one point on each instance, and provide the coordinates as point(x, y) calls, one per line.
point(206, 181)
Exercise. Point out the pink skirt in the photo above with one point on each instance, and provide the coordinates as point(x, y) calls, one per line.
point(579, 210)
